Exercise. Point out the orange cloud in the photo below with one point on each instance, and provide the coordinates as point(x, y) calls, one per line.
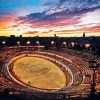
point(7, 21)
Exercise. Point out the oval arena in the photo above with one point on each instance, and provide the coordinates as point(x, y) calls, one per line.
point(46, 71)
point(38, 72)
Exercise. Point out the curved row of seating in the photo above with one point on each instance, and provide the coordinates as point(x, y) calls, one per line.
point(76, 61)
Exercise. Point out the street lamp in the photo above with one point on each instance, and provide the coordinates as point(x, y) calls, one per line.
point(18, 42)
point(37, 42)
point(87, 46)
point(3, 42)
point(52, 42)
point(73, 44)
point(64, 44)
point(94, 66)
point(28, 42)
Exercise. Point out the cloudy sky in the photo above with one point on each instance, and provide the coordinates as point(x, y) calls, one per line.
point(49, 17)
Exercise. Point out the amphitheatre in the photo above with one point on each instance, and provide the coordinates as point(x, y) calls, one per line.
point(46, 71)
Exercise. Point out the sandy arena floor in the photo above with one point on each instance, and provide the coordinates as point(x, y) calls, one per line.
point(39, 73)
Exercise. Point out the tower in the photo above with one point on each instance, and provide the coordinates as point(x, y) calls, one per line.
point(84, 35)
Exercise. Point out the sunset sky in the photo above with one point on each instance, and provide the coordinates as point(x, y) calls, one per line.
point(68, 18)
